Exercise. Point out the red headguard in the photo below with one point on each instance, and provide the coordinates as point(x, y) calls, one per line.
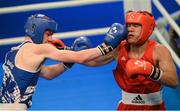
point(145, 19)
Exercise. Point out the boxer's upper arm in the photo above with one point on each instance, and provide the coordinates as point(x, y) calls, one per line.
point(48, 51)
point(163, 58)
point(166, 64)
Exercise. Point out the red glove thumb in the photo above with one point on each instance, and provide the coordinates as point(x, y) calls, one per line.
point(137, 66)
point(57, 43)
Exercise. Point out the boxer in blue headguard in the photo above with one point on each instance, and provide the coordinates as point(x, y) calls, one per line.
point(37, 24)
point(24, 64)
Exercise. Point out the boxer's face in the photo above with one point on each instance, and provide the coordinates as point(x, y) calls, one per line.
point(134, 31)
point(47, 36)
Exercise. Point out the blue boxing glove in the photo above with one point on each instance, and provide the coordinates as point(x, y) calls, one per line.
point(80, 43)
point(114, 36)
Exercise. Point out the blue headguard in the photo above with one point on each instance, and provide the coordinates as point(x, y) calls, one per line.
point(37, 24)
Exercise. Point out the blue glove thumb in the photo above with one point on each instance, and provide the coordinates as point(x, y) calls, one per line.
point(81, 43)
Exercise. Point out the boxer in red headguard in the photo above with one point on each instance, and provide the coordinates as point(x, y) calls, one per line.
point(144, 65)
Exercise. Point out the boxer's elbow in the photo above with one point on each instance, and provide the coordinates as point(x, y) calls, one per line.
point(171, 83)
point(175, 84)
point(47, 77)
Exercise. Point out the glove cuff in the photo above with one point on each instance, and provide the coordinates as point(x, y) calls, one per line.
point(67, 65)
point(67, 48)
point(156, 74)
point(105, 48)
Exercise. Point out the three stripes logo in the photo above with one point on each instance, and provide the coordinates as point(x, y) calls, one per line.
point(138, 99)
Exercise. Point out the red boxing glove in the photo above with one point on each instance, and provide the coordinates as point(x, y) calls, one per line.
point(58, 44)
point(142, 67)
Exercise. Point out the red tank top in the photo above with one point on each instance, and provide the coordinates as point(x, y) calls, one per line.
point(139, 84)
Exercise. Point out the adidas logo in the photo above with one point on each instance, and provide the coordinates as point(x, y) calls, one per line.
point(138, 99)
